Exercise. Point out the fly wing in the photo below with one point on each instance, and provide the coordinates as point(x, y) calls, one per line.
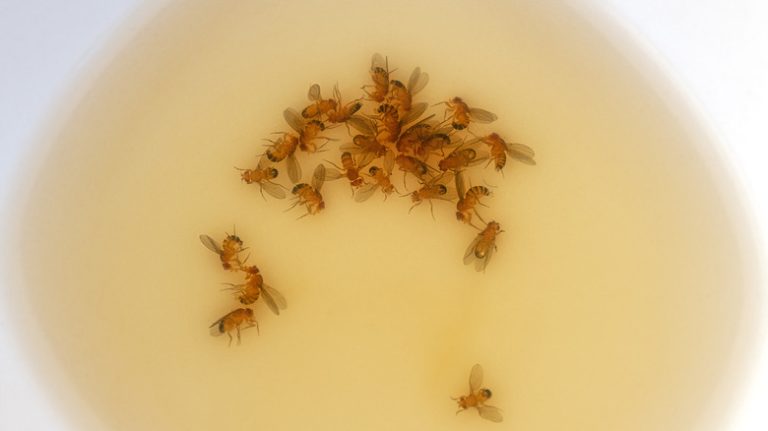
point(416, 110)
point(469, 255)
point(362, 125)
point(475, 378)
point(276, 296)
point(378, 61)
point(366, 158)
point(293, 119)
point(333, 174)
point(491, 413)
point(365, 192)
point(318, 177)
point(417, 81)
point(210, 244)
point(273, 189)
point(480, 264)
point(460, 187)
point(314, 92)
point(389, 161)
point(349, 146)
point(270, 302)
point(522, 153)
point(294, 169)
point(482, 116)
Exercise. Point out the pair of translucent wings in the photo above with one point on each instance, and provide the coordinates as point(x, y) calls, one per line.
point(273, 189)
point(318, 177)
point(490, 413)
point(469, 255)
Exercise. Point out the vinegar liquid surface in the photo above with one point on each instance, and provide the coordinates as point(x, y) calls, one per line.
point(613, 302)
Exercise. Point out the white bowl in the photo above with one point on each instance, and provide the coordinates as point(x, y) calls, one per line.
point(614, 301)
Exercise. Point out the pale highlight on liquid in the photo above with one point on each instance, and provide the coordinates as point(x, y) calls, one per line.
point(611, 304)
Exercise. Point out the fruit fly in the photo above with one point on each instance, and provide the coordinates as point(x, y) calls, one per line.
point(320, 106)
point(435, 189)
point(478, 396)
point(380, 76)
point(421, 139)
point(381, 179)
point(458, 159)
point(342, 113)
point(411, 139)
point(349, 168)
point(390, 123)
point(284, 148)
point(232, 322)
point(309, 131)
point(263, 176)
point(499, 150)
point(434, 142)
point(228, 251)
point(254, 286)
point(481, 249)
point(412, 165)
point(367, 147)
point(468, 200)
point(401, 96)
point(462, 114)
point(309, 195)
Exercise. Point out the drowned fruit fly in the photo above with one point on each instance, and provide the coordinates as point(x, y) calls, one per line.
point(462, 114)
point(228, 251)
point(232, 322)
point(349, 168)
point(342, 113)
point(380, 77)
point(309, 195)
point(401, 96)
point(481, 249)
point(263, 176)
point(320, 106)
point(284, 148)
point(254, 287)
point(478, 396)
point(437, 188)
point(499, 150)
point(468, 200)
point(381, 179)
point(309, 131)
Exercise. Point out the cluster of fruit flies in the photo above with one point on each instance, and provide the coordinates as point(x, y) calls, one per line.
point(388, 129)
point(247, 293)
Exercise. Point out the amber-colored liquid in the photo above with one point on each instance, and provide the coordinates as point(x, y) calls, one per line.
point(613, 302)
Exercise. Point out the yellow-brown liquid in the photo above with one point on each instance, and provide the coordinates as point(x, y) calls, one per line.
point(613, 302)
